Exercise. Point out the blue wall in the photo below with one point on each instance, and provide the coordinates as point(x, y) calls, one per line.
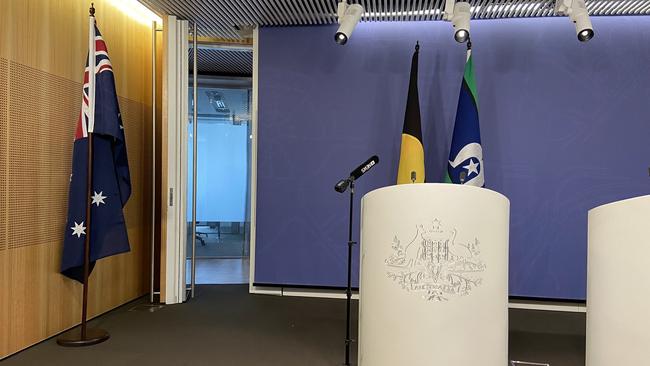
point(565, 128)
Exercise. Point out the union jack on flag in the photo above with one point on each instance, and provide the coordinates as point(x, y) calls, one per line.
point(99, 120)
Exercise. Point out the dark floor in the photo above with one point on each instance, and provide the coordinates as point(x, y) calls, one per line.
point(224, 325)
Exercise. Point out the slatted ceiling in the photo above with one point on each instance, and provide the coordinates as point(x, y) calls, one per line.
point(217, 18)
point(626, 6)
point(224, 62)
point(641, 7)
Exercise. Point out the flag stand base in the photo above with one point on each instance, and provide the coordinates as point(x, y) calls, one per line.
point(73, 338)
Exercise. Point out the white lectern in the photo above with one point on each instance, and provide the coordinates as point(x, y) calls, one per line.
point(618, 284)
point(434, 276)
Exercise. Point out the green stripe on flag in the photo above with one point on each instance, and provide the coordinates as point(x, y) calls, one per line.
point(469, 79)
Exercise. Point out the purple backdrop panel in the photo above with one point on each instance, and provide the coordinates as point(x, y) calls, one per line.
point(564, 127)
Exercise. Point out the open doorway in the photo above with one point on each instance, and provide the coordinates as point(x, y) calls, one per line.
point(222, 181)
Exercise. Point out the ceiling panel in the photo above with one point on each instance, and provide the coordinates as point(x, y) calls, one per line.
point(223, 62)
point(217, 18)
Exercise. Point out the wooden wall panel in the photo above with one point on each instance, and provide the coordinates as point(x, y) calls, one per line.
point(4, 304)
point(43, 45)
point(4, 268)
point(52, 36)
point(4, 125)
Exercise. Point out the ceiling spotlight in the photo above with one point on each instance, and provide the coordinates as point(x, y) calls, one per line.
point(348, 17)
point(585, 35)
point(461, 36)
point(458, 14)
point(577, 12)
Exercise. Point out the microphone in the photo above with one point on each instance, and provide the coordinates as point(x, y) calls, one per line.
point(364, 167)
point(342, 185)
point(414, 175)
point(462, 177)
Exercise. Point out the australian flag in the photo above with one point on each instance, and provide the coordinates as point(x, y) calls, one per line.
point(111, 184)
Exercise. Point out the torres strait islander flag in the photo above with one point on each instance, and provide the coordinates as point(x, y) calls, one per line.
point(466, 155)
point(99, 120)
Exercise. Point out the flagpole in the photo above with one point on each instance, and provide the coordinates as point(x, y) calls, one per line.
point(82, 336)
point(89, 170)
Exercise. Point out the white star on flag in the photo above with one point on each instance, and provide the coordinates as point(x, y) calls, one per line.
point(78, 229)
point(471, 167)
point(98, 198)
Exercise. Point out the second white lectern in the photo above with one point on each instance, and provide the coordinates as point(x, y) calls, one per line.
point(618, 284)
point(434, 276)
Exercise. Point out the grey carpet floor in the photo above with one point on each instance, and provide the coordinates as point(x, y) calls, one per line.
point(224, 325)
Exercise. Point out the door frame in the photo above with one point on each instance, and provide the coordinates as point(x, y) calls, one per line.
point(174, 155)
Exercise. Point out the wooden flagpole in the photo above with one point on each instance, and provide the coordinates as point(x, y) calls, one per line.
point(82, 336)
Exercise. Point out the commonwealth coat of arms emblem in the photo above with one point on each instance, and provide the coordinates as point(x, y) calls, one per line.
point(436, 263)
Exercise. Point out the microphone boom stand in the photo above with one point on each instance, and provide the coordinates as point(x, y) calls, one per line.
point(348, 291)
point(340, 187)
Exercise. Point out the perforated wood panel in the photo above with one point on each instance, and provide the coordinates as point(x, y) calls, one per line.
point(4, 111)
point(4, 267)
point(38, 160)
point(133, 120)
point(37, 181)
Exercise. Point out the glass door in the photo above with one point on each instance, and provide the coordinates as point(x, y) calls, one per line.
point(218, 179)
point(223, 138)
